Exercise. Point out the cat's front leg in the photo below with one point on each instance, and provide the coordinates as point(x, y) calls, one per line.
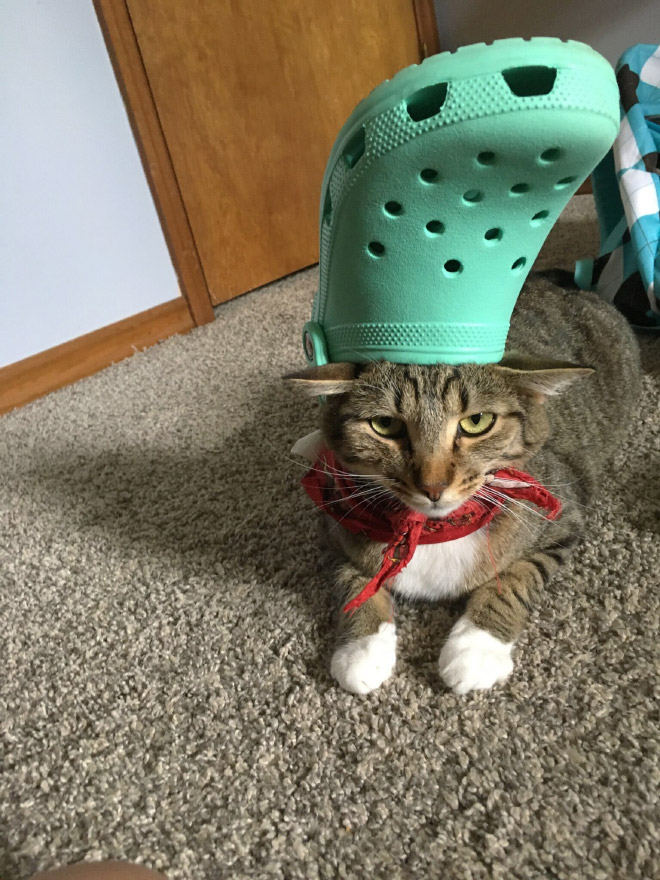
point(365, 654)
point(478, 651)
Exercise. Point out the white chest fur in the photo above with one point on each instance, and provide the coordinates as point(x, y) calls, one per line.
point(440, 571)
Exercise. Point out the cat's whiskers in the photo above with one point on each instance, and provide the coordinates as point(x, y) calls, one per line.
point(371, 502)
point(339, 521)
point(561, 485)
point(362, 501)
point(484, 493)
point(365, 493)
point(306, 466)
point(342, 472)
point(480, 493)
point(506, 511)
point(501, 500)
point(553, 486)
point(589, 508)
point(522, 504)
point(371, 491)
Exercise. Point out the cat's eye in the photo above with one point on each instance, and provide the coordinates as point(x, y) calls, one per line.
point(388, 426)
point(477, 424)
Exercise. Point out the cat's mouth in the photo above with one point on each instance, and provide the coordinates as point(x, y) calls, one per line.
point(455, 495)
point(438, 509)
point(413, 498)
point(444, 506)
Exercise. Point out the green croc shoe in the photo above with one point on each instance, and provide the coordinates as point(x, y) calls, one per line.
point(440, 190)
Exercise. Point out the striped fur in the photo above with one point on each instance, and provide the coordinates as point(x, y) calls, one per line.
point(564, 434)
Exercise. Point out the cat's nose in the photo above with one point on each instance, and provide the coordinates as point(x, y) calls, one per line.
point(433, 491)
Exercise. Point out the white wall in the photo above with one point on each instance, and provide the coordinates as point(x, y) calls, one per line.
point(610, 26)
point(80, 242)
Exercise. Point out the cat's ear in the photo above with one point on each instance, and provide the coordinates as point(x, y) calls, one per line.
point(540, 379)
point(326, 380)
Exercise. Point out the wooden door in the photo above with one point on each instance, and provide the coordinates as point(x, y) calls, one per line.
point(250, 96)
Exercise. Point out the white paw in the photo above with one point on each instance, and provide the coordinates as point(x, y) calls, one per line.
point(364, 664)
point(472, 659)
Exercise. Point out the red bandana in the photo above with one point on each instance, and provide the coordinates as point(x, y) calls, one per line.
point(402, 529)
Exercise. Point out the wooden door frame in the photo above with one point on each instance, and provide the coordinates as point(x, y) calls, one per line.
point(427, 28)
point(115, 20)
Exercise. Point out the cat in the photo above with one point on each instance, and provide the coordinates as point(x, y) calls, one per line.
point(430, 437)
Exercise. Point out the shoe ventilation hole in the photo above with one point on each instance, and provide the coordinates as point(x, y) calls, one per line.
point(327, 207)
point(519, 264)
point(376, 249)
point(354, 149)
point(519, 188)
point(426, 102)
point(393, 209)
point(453, 268)
point(486, 158)
point(472, 196)
point(550, 155)
point(493, 235)
point(525, 82)
point(429, 175)
point(564, 182)
point(537, 219)
point(435, 227)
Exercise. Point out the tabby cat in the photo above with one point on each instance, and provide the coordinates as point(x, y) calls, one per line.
point(558, 405)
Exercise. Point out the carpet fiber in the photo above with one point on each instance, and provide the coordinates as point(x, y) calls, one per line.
point(164, 693)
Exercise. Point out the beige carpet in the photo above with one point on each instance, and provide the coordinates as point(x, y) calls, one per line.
point(164, 694)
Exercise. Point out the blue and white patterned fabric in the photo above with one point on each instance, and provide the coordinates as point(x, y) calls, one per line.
point(627, 193)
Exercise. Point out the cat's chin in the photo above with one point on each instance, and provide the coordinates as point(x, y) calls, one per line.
point(443, 510)
point(435, 511)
